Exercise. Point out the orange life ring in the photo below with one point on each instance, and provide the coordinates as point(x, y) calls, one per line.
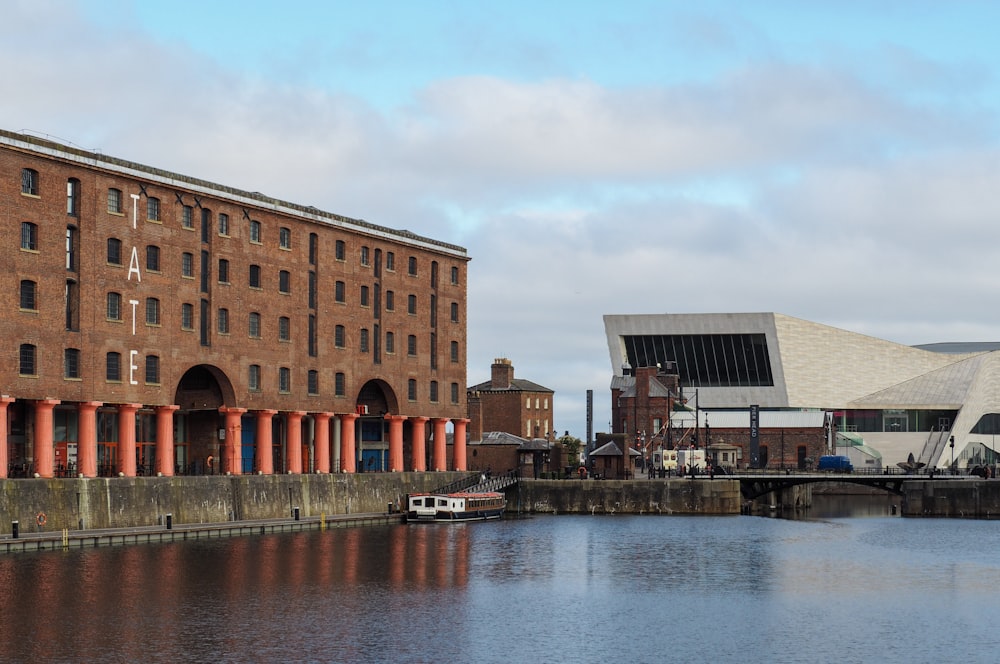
point(40, 519)
point(210, 461)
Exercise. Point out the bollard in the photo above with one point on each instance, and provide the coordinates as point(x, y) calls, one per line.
point(388, 509)
point(295, 513)
point(170, 521)
point(15, 527)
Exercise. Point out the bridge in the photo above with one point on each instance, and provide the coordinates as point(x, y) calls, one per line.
point(755, 485)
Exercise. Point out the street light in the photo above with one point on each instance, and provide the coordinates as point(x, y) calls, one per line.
point(951, 444)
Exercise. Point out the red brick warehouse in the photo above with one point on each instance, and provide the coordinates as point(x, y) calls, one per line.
point(159, 324)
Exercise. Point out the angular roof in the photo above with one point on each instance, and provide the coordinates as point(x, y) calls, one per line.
point(516, 385)
point(499, 438)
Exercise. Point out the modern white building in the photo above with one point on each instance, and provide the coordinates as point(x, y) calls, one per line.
point(895, 399)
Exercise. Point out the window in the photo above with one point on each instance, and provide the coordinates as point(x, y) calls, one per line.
point(152, 370)
point(29, 181)
point(255, 276)
point(338, 336)
point(153, 209)
point(71, 248)
point(454, 351)
point(454, 392)
point(152, 311)
point(390, 300)
point(411, 267)
point(187, 217)
point(364, 340)
point(390, 342)
point(114, 251)
point(187, 264)
point(313, 343)
point(434, 391)
point(339, 384)
point(339, 292)
point(454, 312)
point(223, 271)
point(285, 281)
point(223, 224)
point(71, 363)
point(341, 250)
point(285, 238)
point(114, 309)
point(454, 276)
point(223, 321)
point(313, 248)
point(73, 197)
point(312, 382)
point(313, 289)
point(153, 258)
point(115, 201)
point(411, 304)
point(390, 261)
point(255, 231)
point(26, 354)
point(527, 403)
point(284, 379)
point(411, 389)
point(364, 296)
point(113, 367)
point(284, 328)
point(253, 378)
point(29, 236)
point(434, 274)
point(365, 258)
point(187, 316)
point(29, 292)
point(254, 329)
point(411, 345)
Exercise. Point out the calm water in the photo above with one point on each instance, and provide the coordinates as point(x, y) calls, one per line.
point(544, 589)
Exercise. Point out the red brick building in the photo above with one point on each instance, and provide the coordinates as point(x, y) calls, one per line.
point(509, 404)
point(157, 323)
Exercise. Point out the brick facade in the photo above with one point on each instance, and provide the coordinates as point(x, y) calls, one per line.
point(200, 290)
point(512, 405)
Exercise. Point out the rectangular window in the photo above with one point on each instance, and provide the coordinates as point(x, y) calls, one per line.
point(390, 300)
point(152, 370)
point(71, 363)
point(113, 367)
point(29, 236)
point(365, 258)
point(187, 217)
point(253, 378)
point(411, 389)
point(284, 281)
point(434, 391)
point(29, 181)
point(254, 326)
point(187, 316)
point(284, 379)
point(454, 276)
point(285, 238)
point(340, 253)
point(153, 258)
point(115, 201)
point(223, 318)
point(312, 289)
point(339, 292)
point(411, 305)
point(411, 267)
point(390, 261)
point(114, 309)
point(26, 365)
point(411, 345)
point(284, 328)
point(73, 197)
point(313, 382)
point(255, 231)
point(454, 312)
point(340, 384)
point(153, 209)
point(223, 224)
point(454, 351)
point(114, 251)
point(313, 248)
point(152, 311)
point(364, 296)
point(187, 264)
point(454, 392)
point(390, 343)
point(223, 271)
point(364, 340)
point(28, 295)
point(255, 276)
point(339, 340)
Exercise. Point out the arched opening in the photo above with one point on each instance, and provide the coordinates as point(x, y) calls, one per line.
point(375, 400)
point(198, 424)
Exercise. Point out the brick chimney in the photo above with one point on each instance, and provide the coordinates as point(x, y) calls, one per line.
point(501, 374)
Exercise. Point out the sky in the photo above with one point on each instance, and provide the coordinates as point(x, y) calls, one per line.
point(836, 161)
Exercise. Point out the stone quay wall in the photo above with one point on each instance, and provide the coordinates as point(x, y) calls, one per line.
point(679, 496)
point(968, 498)
point(129, 502)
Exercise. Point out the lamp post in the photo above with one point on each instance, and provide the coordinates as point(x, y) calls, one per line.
point(951, 444)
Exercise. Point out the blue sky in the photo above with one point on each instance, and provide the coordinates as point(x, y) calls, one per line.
point(835, 161)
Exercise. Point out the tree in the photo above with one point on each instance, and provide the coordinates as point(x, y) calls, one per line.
point(572, 446)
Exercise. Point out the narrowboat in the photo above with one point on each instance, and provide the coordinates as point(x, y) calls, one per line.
point(451, 507)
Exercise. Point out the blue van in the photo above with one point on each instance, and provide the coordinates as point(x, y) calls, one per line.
point(835, 463)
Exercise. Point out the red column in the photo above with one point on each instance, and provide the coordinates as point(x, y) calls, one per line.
point(440, 460)
point(263, 450)
point(293, 446)
point(4, 450)
point(232, 446)
point(86, 450)
point(418, 444)
point(126, 438)
point(395, 442)
point(348, 463)
point(459, 443)
point(44, 454)
point(165, 440)
point(321, 441)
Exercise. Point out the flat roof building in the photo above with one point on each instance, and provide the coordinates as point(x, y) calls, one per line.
point(158, 323)
point(898, 399)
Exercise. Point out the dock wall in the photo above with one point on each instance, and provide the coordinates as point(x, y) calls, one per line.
point(679, 496)
point(968, 498)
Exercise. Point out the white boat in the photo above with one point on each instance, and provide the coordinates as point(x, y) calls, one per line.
point(461, 506)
